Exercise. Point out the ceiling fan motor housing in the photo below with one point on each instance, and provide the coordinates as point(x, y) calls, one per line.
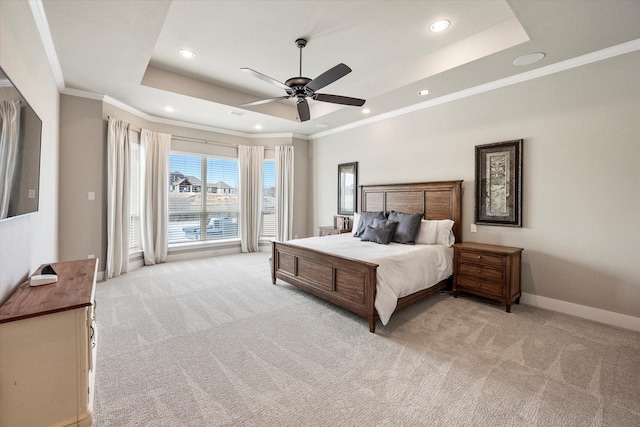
point(298, 86)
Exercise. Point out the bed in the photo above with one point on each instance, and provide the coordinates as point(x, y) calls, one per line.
point(352, 283)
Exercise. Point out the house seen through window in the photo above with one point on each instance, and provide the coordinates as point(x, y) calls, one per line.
point(203, 198)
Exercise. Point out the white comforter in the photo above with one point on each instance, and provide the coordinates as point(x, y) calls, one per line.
point(403, 269)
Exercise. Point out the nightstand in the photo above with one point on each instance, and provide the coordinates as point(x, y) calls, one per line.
point(329, 230)
point(490, 271)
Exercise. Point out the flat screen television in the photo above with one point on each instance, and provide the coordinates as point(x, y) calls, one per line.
point(20, 139)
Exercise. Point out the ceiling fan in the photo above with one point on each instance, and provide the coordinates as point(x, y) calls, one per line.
point(302, 88)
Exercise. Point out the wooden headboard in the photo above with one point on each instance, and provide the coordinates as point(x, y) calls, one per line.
point(435, 200)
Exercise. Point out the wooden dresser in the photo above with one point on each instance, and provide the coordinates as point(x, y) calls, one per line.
point(490, 271)
point(48, 350)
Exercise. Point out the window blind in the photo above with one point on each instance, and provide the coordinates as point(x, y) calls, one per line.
point(203, 198)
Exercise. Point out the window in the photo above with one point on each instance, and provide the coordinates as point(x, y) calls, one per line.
point(135, 234)
point(268, 228)
point(203, 198)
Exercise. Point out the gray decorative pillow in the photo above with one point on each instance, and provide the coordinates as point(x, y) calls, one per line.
point(377, 235)
point(385, 223)
point(366, 219)
point(407, 228)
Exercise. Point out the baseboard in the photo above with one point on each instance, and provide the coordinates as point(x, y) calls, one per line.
point(583, 311)
point(191, 252)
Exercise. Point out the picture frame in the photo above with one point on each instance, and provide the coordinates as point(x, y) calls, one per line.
point(347, 188)
point(499, 183)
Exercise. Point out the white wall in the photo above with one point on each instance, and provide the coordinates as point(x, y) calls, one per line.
point(82, 225)
point(581, 131)
point(30, 240)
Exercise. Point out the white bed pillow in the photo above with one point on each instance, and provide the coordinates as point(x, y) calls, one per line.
point(445, 233)
point(356, 223)
point(436, 232)
point(428, 232)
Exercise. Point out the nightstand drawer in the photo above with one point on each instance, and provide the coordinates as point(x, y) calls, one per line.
point(480, 257)
point(484, 271)
point(470, 284)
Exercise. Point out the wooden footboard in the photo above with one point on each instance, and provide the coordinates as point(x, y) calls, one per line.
point(348, 283)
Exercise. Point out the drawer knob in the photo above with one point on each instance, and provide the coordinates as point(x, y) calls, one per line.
point(479, 270)
point(479, 257)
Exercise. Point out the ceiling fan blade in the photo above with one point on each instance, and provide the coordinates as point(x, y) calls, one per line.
point(303, 110)
point(263, 101)
point(265, 78)
point(337, 99)
point(328, 77)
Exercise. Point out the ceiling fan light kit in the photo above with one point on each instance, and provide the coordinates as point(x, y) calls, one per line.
point(302, 88)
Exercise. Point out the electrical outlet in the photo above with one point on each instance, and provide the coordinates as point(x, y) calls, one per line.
point(91, 256)
point(92, 195)
point(474, 228)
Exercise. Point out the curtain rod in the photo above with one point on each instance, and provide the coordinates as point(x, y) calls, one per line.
point(211, 142)
point(205, 141)
point(131, 127)
point(187, 138)
point(191, 139)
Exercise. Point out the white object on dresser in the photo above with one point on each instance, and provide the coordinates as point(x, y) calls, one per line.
point(42, 279)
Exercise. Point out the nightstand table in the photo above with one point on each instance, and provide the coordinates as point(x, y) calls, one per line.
point(490, 271)
point(329, 230)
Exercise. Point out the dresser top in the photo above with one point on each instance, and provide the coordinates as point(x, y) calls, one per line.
point(502, 250)
point(74, 289)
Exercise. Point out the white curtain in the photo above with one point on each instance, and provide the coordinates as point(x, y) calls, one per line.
point(250, 165)
point(284, 192)
point(118, 174)
point(155, 148)
point(9, 136)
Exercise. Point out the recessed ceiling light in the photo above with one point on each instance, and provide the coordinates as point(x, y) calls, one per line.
point(440, 25)
point(366, 111)
point(168, 109)
point(424, 92)
point(258, 127)
point(187, 53)
point(528, 59)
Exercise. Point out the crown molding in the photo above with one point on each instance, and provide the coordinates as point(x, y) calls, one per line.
point(599, 55)
point(162, 120)
point(40, 18)
point(82, 94)
point(154, 119)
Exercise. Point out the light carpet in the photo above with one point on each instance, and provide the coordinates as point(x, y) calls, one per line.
point(211, 342)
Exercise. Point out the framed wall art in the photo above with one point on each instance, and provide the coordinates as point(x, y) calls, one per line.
point(347, 188)
point(499, 184)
